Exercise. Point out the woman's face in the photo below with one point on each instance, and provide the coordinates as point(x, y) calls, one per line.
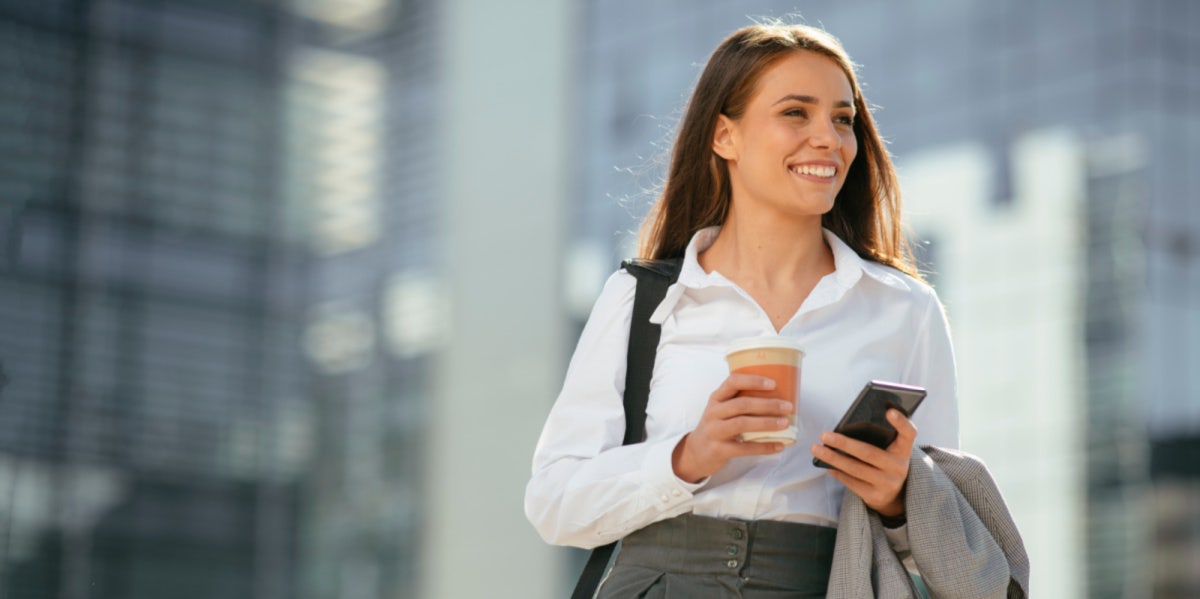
point(791, 148)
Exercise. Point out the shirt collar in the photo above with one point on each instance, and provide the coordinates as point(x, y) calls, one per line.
point(848, 270)
point(848, 265)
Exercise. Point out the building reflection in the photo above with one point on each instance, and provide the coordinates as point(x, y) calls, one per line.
point(195, 250)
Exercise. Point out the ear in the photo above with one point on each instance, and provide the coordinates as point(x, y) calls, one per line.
point(723, 138)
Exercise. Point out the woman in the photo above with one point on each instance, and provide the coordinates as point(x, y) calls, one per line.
point(784, 206)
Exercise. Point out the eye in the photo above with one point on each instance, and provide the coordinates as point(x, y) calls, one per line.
point(797, 112)
point(845, 119)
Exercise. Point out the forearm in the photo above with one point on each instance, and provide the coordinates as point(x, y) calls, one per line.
point(587, 502)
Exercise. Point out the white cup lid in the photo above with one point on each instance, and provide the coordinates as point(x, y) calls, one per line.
point(768, 341)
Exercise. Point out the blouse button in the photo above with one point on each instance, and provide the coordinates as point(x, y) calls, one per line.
point(731, 563)
point(738, 534)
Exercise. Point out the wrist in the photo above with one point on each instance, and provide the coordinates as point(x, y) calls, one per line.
point(895, 508)
point(893, 515)
point(893, 521)
point(682, 466)
point(892, 510)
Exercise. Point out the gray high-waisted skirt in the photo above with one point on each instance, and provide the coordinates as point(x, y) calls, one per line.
point(698, 557)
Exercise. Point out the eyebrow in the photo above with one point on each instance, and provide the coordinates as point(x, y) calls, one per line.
point(811, 100)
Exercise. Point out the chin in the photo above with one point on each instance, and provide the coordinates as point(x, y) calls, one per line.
point(814, 208)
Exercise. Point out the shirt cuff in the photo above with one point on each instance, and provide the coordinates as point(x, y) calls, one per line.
point(670, 489)
point(898, 539)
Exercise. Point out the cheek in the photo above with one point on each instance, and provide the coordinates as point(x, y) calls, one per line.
point(779, 140)
point(849, 150)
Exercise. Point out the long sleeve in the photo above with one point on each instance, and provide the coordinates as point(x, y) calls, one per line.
point(587, 489)
point(931, 365)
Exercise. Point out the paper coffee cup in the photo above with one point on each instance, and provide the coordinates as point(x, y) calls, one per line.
point(778, 358)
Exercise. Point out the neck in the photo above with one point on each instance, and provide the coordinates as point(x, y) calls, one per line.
point(767, 251)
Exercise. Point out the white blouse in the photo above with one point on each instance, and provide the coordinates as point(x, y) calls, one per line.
point(862, 322)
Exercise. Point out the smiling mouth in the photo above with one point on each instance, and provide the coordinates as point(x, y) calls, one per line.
point(824, 172)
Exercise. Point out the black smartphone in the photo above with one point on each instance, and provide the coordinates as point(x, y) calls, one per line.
point(866, 420)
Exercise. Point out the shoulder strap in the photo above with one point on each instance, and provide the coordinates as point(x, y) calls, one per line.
point(653, 279)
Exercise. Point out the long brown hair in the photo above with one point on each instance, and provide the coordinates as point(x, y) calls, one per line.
point(866, 212)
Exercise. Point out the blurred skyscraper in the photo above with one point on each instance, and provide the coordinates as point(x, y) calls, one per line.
point(207, 306)
point(1048, 154)
point(280, 311)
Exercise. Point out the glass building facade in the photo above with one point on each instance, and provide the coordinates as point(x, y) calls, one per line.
point(211, 385)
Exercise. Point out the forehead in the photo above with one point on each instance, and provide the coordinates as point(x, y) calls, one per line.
point(804, 73)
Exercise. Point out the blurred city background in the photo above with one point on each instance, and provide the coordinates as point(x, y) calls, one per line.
point(287, 287)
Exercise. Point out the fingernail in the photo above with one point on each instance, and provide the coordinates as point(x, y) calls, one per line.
point(781, 422)
point(768, 384)
point(826, 437)
point(785, 407)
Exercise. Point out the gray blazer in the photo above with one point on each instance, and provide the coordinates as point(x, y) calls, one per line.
point(960, 533)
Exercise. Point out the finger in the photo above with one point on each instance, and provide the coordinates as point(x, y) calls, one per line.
point(846, 464)
point(851, 483)
point(859, 486)
point(861, 450)
point(877, 484)
point(755, 448)
point(876, 497)
point(737, 382)
point(753, 406)
point(734, 427)
point(906, 431)
point(865, 490)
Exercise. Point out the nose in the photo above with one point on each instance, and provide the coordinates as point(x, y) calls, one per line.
point(825, 135)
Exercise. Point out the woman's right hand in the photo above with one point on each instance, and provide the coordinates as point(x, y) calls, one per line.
point(717, 439)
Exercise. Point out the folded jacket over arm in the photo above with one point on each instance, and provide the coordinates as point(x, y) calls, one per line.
point(961, 536)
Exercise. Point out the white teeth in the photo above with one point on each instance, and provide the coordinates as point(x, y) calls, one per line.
point(817, 171)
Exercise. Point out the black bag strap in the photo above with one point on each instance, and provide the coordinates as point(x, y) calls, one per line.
point(653, 279)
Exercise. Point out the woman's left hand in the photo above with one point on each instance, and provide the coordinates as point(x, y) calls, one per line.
point(876, 475)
